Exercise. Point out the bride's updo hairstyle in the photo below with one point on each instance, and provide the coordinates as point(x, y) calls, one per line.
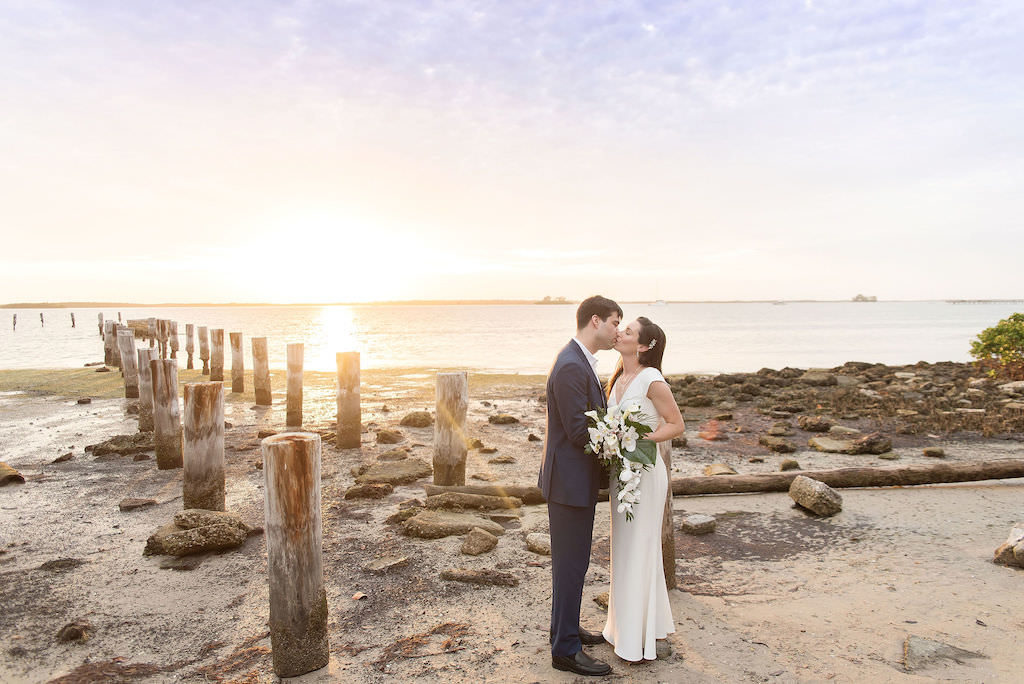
point(651, 332)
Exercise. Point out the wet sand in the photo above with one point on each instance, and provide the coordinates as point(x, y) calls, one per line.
point(774, 595)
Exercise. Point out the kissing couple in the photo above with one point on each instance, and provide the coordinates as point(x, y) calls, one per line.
point(638, 607)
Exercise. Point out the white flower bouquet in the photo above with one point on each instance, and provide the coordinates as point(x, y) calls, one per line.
point(617, 439)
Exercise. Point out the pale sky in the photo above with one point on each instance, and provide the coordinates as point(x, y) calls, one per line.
point(184, 151)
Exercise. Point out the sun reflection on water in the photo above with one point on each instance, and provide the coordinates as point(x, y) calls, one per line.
point(337, 328)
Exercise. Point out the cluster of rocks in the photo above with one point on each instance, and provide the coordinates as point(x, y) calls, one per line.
point(1011, 552)
point(198, 531)
point(943, 397)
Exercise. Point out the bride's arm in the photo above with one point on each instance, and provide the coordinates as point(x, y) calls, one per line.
point(673, 426)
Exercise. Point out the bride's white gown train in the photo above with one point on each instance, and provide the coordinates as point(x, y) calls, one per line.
point(638, 608)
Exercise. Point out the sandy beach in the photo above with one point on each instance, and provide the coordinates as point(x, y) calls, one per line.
point(773, 595)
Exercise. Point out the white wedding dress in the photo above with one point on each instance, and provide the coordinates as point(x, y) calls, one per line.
point(638, 607)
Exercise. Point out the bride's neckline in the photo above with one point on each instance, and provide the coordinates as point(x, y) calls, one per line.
point(619, 395)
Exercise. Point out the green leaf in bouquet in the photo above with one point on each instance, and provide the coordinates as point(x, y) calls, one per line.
point(646, 452)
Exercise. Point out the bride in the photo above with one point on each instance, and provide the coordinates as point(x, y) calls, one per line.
point(638, 607)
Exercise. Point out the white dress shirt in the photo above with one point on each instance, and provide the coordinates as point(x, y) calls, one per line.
point(591, 358)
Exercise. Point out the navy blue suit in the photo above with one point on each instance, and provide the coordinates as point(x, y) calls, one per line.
point(570, 479)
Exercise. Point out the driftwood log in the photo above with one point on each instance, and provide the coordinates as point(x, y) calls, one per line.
point(450, 429)
point(883, 476)
point(528, 495)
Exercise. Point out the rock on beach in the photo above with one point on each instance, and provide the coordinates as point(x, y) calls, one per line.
point(815, 496)
point(438, 524)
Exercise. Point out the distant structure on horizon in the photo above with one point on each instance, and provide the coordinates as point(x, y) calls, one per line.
point(553, 300)
point(865, 298)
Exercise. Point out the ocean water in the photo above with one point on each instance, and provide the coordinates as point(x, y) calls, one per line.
point(702, 338)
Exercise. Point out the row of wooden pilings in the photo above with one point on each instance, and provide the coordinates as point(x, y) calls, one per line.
point(291, 460)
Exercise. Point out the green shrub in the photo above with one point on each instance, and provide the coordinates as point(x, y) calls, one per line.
point(1000, 349)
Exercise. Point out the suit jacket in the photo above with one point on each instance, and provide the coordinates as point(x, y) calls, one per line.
point(568, 475)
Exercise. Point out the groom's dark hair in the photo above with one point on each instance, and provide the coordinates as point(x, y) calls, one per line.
point(599, 306)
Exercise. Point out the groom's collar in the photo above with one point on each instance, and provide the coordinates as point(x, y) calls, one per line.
point(591, 359)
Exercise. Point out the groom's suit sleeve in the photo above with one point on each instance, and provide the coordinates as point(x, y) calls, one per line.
point(571, 391)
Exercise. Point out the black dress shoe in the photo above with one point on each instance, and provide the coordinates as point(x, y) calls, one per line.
point(587, 638)
point(581, 664)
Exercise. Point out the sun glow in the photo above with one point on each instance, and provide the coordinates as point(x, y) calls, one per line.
point(327, 257)
point(337, 328)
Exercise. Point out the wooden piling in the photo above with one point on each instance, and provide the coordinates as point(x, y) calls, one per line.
point(99, 317)
point(668, 533)
point(203, 446)
point(349, 428)
point(173, 328)
point(450, 429)
point(41, 322)
point(298, 600)
point(14, 323)
point(217, 355)
point(261, 371)
point(237, 363)
point(293, 413)
point(145, 355)
point(109, 343)
point(72, 319)
point(166, 416)
point(190, 345)
point(129, 362)
point(151, 328)
point(204, 348)
point(163, 334)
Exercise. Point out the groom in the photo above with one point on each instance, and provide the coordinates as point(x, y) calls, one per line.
point(570, 478)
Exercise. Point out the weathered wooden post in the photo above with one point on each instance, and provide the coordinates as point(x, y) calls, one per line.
point(204, 348)
point(99, 317)
point(118, 316)
point(151, 330)
point(349, 414)
point(173, 328)
point(166, 416)
point(261, 371)
point(129, 362)
point(72, 319)
point(293, 412)
point(237, 363)
point(217, 355)
point(190, 345)
point(298, 600)
point(41, 322)
point(450, 429)
point(163, 334)
point(203, 446)
point(15, 324)
point(109, 343)
point(146, 389)
point(668, 536)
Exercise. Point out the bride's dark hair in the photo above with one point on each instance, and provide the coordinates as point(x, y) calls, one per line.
point(649, 332)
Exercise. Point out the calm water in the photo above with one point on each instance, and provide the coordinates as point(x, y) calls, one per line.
point(701, 337)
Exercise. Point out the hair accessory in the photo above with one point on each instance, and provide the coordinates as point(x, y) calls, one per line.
point(651, 344)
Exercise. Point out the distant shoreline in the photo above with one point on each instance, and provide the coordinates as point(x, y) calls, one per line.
point(464, 302)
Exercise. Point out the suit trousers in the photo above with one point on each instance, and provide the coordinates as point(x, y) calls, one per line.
point(571, 529)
